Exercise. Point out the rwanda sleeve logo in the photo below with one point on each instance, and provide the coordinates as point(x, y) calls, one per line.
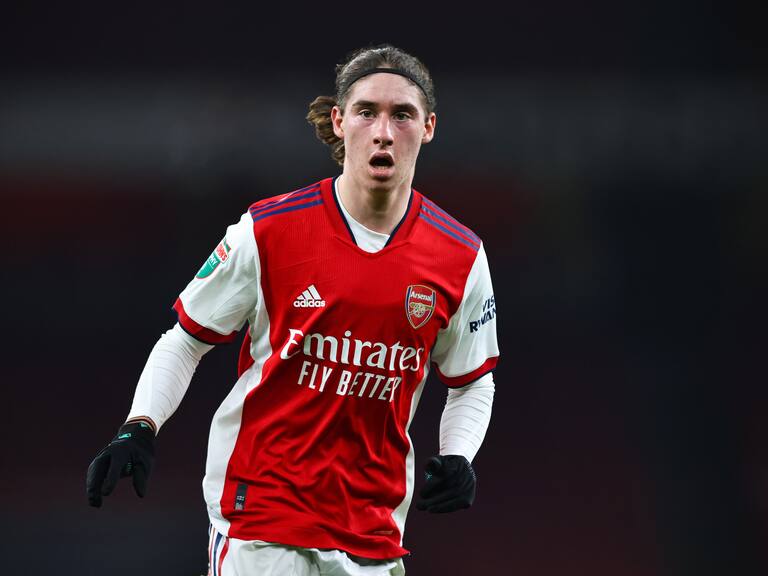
point(218, 256)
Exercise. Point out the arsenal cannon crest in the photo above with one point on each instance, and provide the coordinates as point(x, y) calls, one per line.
point(419, 304)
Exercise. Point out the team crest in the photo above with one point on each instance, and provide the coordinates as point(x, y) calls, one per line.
point(219, 256)
point(419, 304)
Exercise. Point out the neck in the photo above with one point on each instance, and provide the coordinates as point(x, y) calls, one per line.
point(378, 209)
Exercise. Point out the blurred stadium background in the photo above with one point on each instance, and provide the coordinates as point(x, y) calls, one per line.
point(613, 158)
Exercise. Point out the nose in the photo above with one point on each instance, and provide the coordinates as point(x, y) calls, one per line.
point(382, 132)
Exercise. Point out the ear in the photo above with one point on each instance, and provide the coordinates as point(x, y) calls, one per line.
point(429, 129)
point(336, 121)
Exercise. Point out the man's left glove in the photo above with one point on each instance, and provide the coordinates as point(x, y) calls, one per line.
point(450, 485)
point(131, 453)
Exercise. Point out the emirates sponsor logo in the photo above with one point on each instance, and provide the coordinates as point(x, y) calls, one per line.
point(352, 351)
point(382, 367)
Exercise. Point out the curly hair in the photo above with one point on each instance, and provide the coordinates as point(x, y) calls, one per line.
point(381, 56)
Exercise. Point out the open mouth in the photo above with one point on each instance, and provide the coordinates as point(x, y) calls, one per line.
point(382, 161)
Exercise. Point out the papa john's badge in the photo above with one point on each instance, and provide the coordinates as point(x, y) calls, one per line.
point(419, 304)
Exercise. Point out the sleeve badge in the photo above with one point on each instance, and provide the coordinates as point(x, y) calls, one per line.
point(218, 256)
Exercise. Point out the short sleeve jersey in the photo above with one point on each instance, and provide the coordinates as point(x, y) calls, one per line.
point(311, 447)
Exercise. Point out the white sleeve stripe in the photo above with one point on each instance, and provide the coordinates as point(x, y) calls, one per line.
point(218, 304)
point(467, 347)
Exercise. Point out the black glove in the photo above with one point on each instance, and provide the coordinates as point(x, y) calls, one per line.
point(131, 453)
point(450, 484)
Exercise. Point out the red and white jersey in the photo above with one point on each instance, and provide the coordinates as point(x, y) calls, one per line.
point(311, 446)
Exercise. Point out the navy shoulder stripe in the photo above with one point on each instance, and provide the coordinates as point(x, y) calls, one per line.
point(434, 210)
point(302, 198)
point(444, 222)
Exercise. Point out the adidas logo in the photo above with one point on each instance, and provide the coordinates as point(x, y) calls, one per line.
point(310, 298)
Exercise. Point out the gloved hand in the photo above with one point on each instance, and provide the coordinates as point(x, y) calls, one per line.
point(450, 485)
point(131, 453)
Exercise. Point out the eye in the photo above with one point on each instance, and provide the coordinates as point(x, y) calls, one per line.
point(367, 114)
point(402, 116)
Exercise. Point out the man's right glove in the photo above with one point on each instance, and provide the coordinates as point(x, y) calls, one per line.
point(131, 453)
point(450, 485)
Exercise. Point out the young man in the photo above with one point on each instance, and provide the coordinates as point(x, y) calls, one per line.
point(351, 289)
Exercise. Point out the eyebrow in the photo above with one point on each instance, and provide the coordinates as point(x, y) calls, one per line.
point(400, 107)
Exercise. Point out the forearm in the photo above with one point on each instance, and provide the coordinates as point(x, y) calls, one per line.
point(465, 418)
point(166, 377)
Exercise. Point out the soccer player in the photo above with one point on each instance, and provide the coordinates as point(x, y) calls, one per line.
point(350, 290)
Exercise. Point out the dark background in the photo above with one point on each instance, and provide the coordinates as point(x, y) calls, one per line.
point(612, 157)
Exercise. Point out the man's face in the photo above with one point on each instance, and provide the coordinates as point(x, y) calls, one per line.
point(383, 127)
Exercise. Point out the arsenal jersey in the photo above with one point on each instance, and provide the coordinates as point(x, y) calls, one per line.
point(311, 447)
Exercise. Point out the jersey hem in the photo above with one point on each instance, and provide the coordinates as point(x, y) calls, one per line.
point(386, 551)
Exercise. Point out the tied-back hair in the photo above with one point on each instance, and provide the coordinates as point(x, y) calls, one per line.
point(381, 56)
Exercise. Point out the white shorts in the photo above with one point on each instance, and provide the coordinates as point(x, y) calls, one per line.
point(233, 557)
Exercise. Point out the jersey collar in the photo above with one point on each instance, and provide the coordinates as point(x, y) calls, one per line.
point(340, 225)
